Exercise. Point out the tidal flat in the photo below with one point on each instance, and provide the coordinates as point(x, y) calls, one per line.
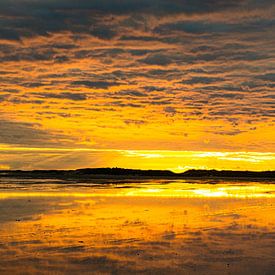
point(146, 227)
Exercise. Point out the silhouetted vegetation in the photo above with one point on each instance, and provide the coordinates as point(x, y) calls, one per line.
point(134, 173)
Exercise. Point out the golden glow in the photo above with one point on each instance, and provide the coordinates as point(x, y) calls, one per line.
point(152, 100)
point(177, 161)
point(157, 84)
point(150, 225)
point(175, 189)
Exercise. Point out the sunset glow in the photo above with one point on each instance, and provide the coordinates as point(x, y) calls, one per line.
point(177, 228)
point(137, 137)
point(139, 84)
point(177, 189)
point(178, 161)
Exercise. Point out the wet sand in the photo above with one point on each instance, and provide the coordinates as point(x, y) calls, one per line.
point(154, 227)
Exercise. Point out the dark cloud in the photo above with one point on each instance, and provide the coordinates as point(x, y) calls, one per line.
point(154, 88)
point(160, 102)
point(33, 84)
point(63, 95)
point(202, 80)
point(157, 59)
point(28, 54)
point(120, 103)
point(119, 6)
point(140, 52)
point(103, 32)
point(134, 121)
point(4, 97)
point(131, 93)
point(202, 27)
point(226, 95)
point(95, 84)
point(23, 133)
point(228, 133)
point(11, 90)
point(28, 17)
point(9, 34)
point(138, 38)
point(270, 77)
point(61, 58)
point(170, 110)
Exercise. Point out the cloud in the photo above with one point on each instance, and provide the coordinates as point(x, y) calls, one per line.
point(228, 133)
point(9, 34)
point(95, 84)
point(205, 27)
point(202, 80)
point(28, 54)
point(130, 93)
point(157, 59)
point(138, 38)
point(30, 134)
point(170, 110)
point(30, 18)
point(270, 77)
point(103, 32)
point(134, 122)
point(63, 95)
point(4, 97)
point(111, 65)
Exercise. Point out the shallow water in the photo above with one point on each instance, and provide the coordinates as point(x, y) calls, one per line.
point(166, 227)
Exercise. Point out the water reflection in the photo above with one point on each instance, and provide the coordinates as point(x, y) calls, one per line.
point(147, 228)
point(177, 188)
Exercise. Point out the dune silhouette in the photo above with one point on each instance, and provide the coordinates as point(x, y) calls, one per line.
point(135, 173)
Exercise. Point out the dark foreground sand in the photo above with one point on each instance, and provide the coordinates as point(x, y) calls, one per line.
point(149, 228)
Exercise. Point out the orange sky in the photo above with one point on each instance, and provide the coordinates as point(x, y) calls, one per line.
point(164, 80)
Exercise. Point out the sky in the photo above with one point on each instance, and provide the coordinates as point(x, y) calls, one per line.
point(161, 84)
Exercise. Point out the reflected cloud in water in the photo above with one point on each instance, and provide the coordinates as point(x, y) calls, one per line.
point(146, 228)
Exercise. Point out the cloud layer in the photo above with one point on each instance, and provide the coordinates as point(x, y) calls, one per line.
point(156, 74)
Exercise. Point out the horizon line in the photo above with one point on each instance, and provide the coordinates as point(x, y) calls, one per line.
point(135, 169)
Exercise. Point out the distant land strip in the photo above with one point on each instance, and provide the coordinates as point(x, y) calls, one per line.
point(92, 173)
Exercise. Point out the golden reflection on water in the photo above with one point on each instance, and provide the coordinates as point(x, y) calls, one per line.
point(180, 189)
point(146, 228)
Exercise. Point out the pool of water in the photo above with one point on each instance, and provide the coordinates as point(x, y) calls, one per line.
point(148, 227)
